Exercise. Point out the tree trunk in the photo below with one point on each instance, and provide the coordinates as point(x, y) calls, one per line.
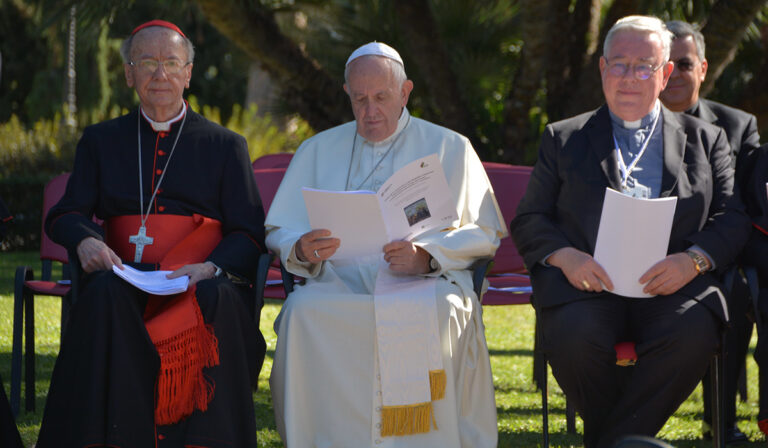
point(417, 23)
point(727, 23)
point(587, 93)
point(305, 86)
point(527, 81)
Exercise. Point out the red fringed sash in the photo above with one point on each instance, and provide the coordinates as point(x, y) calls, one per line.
point(185, 343)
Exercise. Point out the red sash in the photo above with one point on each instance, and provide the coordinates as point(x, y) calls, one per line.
point(185, 343)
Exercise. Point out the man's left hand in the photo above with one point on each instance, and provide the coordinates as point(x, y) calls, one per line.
point(669, 275)
point(406, 258)
point(196, 272)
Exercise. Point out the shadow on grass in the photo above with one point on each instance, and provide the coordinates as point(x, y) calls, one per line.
point(497, 352)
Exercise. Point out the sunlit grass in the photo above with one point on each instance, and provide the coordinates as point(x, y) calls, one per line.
point(509, 330)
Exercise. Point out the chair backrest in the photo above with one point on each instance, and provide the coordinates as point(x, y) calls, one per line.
point(267, 180)
point(279, 160)
point(509, 183)
point(53, 192)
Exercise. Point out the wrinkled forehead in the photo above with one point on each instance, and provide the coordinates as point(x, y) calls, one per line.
point(158, 42)
point(635, 45)
point(371, 72)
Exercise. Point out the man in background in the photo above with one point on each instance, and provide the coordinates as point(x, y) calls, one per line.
point(682, 95)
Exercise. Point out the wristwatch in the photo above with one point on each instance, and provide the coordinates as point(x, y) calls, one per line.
point(433, 264)
point(699, 261)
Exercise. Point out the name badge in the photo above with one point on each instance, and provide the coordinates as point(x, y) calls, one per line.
point(636, 190)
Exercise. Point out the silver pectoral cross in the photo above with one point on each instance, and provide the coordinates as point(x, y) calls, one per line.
point(140, 240)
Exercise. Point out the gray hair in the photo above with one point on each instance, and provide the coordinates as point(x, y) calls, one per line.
point(681, 30)
point(646, 24)
point(396, 68)
point(125, 47)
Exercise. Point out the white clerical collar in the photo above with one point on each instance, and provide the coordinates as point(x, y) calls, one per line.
point(643, 122)
point(401, 122)
point(158, 126)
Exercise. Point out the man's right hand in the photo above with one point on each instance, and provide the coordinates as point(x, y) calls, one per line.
point(96, 256)
point(582, 271)
point(315, 246)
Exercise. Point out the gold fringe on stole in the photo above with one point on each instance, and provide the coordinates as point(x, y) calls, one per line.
point(437, 382)
point(406, 420)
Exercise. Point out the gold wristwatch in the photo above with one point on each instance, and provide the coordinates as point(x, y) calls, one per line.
point(699, 261)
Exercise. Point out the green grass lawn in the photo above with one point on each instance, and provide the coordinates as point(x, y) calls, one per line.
point(509, 330)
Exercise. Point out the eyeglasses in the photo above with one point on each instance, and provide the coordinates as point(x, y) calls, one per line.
point(640, 71)
point(171, 66)
point(684, 66)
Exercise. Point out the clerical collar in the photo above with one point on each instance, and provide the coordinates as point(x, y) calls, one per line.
point(158, 126)
point(401, 122)
point(641, 123)
point(693, 110)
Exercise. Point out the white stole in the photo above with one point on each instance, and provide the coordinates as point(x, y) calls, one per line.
point(409, 349)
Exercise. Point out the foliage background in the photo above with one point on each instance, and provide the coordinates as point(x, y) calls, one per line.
point(495, 70)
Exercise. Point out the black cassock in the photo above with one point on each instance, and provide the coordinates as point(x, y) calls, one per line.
point(752, 175)
point(103, 386)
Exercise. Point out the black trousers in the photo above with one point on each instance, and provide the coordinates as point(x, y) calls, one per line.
point(675, 338)
point(103, 387)
point(9, 434)
point(755, 254)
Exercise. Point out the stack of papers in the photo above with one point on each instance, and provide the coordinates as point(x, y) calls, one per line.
point(152, 282)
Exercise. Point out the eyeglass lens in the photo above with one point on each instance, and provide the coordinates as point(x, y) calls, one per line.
point(171, 66)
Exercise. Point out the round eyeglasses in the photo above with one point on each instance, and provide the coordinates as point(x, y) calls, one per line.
point(171, 66)
point(639, 71)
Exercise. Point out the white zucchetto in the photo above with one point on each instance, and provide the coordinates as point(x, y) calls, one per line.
point(376, 49)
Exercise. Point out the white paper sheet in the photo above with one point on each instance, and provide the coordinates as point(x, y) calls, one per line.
point(352, 216)
point(633, 236)
point(152, 282)
point(412, 201)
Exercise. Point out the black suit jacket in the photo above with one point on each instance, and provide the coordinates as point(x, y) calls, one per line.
point(577, 161)
point(753, 175)
point(740, 127)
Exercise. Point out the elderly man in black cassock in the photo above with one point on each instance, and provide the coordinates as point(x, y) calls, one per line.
point(175, 192)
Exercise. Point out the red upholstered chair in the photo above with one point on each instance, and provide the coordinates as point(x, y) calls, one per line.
point(507, 277)
point(278, 160)
point(268, 180)
point(25, 289)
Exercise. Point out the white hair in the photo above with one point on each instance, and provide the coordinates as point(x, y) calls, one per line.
point(645, 24)
point(126, 46)
point(396, 68)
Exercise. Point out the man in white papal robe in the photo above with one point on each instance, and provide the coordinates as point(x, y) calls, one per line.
point(326, 378)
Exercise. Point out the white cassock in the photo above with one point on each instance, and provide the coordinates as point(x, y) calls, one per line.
point(325, 378)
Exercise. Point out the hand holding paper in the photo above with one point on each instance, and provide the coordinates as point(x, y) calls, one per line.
point(406, 258)
point(152, 282)
point(633, 236)
point(669, 275)
point(581, 270)
point(316, 246)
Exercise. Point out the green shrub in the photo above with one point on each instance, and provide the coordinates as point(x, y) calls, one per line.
point(29, 157)
point(263, 132)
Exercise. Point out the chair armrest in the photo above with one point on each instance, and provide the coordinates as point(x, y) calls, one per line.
point(288, 280)
point(480, 269)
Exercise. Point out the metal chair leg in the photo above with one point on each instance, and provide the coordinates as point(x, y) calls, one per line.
point(544, 411)
point(541, 381)
point(716, 376)
point(23, 273)
point(29, 353)
point(570, 417)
